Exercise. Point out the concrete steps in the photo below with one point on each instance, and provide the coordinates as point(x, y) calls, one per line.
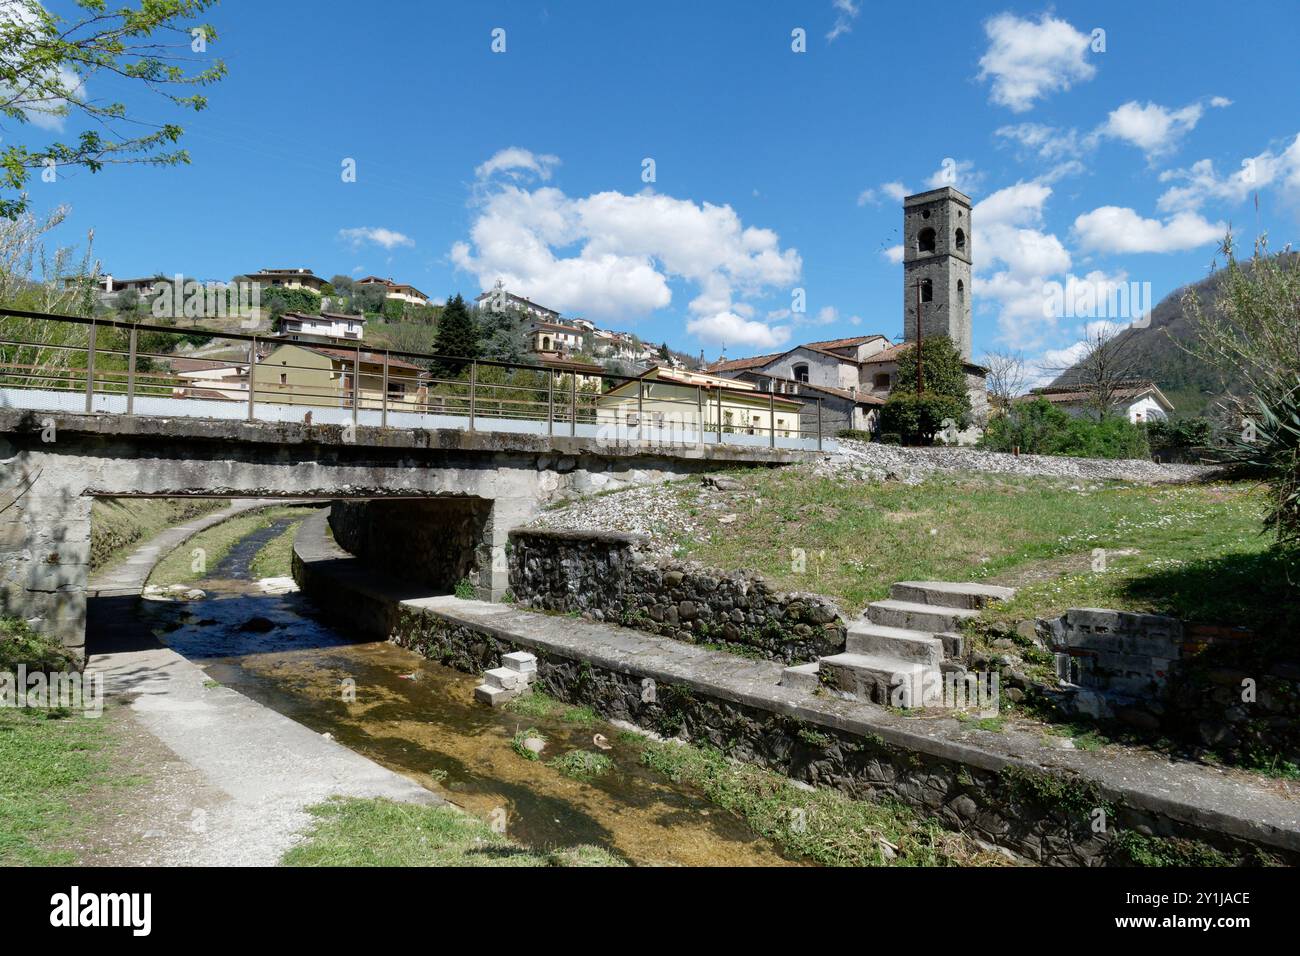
point(899, 642)
point(884, 680)
point(918, 617)
point(896, 654)
point(946, 594)
point(503, 684)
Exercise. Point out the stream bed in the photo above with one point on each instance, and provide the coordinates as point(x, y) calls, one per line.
point(420, 719)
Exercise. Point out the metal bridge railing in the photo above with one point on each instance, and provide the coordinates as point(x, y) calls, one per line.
point(71, 363)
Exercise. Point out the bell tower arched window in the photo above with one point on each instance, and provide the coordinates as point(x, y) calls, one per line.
point(925, 240)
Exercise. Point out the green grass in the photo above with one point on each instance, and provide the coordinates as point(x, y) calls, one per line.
point(582, 764)
point(517, 743)
point(117, 524)
point(19, 644)
point(275, 559)
point(821, 825)
point(355, 832)
point(177, 567)
point(860, 537)
point(537, 705)
point(48, 760)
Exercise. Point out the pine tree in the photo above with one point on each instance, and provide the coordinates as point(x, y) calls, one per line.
point(457, 338)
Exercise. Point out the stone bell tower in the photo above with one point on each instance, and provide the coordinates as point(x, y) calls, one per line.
point(936, 254)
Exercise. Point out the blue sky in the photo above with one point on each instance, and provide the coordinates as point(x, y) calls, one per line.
point(774, 170)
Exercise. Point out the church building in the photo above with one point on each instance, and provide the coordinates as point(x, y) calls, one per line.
point(852, 377)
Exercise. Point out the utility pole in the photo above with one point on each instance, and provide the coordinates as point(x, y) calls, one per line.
point(920, 377)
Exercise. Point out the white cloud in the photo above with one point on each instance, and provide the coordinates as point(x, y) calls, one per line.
point(846, 12)
point(957, 173)
point(730, 330)
point(1201, 183)
point(894, 254)
point(1117, 229)
point(1045, 142)
point(388, 238)
point(612, 255)
point(1028, 60)
point(1021, 204)
point(1152, 128)
point(895, 191)
point(518, 163)
point(867, 195)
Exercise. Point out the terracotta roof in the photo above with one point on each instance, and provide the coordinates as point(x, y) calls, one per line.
point(740, 364)
point(845, 343)
point(348, 355)
point(324, 315)
point(890, 354)
point(199, 365)
point(1066, 395)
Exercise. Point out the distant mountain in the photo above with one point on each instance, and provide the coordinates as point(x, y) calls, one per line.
point(1159, 352)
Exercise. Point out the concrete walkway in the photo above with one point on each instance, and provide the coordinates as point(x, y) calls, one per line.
point(244, 775)
point(128, 577)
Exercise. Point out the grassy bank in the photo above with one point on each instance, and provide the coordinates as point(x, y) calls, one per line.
point(216, 542)
point(1162, 542)
point(47, 758)
point(275, 559)
point(355, 832)
point(116, 524)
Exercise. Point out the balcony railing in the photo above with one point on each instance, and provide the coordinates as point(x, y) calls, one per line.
point(74, 364)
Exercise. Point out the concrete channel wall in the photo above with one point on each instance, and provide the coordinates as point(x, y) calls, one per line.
point(1013, 789)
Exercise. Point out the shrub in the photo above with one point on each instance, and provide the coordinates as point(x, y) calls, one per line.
point(278, 300)
point(1177, 438)
point(1040, 428)
point(19, 644)
point(918, 418)
point(1272, 444)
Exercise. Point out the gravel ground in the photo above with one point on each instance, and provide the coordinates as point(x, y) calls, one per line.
point(657, 511)
point(873, 461)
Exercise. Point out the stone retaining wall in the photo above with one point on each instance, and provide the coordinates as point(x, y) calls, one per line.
point(1047, 817)
point(604, 576)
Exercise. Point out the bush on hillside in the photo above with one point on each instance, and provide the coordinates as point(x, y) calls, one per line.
point(1040, 428)
point(278, 300)
point(1272, 444)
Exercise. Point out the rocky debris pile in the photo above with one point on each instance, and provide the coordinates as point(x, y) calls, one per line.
point(175, 592)
point(874, 461)
point(650, 510)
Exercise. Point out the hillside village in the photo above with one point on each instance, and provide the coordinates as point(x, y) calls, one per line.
point(321, 333)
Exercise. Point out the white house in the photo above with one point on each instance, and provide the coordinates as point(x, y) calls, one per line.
point(1138, 401)
point(400, 291)
point(326, 327)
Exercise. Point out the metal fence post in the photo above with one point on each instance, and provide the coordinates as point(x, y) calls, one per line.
point(573, 404)
point(90, 369)
point(130, 373)
point(640, 409)
point(699, 409)
point(383, 416)
point(771, 416)
point(473, 382)
point(252, 375)
point(819, 424)
point(719, 414)
point(550, 402)
point(356, 387)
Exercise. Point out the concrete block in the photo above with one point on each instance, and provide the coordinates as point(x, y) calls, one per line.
point(520, 661)
point(504, 678)
point(803, 677)
point(494, 696)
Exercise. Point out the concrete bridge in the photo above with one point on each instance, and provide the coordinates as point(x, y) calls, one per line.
point(442, 501)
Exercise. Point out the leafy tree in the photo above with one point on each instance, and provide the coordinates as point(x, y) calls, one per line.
point(917, 419)
point(503, 335)
point(393, 310)
point(457, 337)
point(51, 67)
point(943, 371)
point(278, 300)
point(369, 299)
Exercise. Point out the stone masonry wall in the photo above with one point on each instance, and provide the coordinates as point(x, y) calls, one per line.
point(431, 541)
point(1046, 817)
point(1224, 689)
point(604, 576)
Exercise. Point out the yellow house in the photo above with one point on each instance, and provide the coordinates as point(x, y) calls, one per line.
point(672, 398)
point(319, 375)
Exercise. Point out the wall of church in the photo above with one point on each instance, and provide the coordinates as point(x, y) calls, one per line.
point(822, 369)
